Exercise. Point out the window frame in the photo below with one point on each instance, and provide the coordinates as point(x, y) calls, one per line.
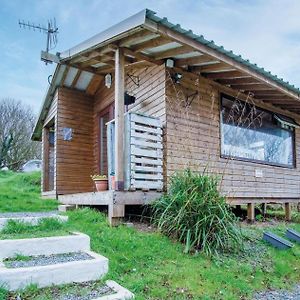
point(261, 162)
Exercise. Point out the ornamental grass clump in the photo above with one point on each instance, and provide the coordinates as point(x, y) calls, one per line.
point(197, 215)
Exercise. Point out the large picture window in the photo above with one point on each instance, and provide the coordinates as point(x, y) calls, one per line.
point(252, 134)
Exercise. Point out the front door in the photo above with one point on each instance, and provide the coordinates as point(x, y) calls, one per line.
point(105, 116)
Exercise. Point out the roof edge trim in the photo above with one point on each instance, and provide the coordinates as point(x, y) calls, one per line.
point(123, 26)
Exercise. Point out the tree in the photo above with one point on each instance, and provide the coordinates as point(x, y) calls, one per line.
point(16, 125)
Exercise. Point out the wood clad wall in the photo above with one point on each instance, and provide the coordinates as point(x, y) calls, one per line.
point(45, 159)
point(46, 155)
point(75, 158)
point(150, 98)
point(193, 140)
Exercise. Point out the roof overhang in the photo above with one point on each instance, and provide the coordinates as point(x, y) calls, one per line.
point(149, 40)
point(107, 36)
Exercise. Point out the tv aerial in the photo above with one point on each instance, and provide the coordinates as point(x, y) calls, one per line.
point(51, 30)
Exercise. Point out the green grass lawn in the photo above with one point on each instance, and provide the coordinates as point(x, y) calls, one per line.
point(21, 192)
point(154, 267)
point(46, 227)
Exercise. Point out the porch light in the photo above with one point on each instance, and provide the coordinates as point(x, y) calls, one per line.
point(170, 63)
point(108, 80)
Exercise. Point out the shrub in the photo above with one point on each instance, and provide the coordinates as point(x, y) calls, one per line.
point(197, 215)
point(3, 292)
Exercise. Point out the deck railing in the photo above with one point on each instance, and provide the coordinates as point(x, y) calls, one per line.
point(143, 156)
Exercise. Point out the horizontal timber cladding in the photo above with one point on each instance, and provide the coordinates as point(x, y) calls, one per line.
point(75, 157)
point(47, 153)
point(193, 141)
point(147, 85)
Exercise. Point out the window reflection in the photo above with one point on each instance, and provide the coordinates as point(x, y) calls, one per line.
point(253, 134)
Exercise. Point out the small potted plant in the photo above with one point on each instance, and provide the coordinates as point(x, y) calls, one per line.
point(101, 182)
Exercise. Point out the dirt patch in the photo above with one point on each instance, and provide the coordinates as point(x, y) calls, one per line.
point(264, 224)
point(142, 226)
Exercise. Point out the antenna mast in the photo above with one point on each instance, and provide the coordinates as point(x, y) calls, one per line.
point(51, 30)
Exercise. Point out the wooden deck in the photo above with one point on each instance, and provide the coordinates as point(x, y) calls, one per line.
point(110, 198)
point(115, 200)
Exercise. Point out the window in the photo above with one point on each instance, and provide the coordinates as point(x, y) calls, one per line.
point(51, 137)
point(252, 134)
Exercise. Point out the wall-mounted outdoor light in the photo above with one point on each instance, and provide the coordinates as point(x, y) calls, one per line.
point(108, 80)
point(170, 63)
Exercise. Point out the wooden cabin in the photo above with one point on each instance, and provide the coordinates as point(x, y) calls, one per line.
point(146, 98)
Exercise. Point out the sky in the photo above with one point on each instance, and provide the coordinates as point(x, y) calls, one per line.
point(265, 31)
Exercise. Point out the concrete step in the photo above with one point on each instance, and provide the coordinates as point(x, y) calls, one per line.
point(56, 274)
point(66, 207)
point(120, 292)
point(30, 217)
point(74, 242)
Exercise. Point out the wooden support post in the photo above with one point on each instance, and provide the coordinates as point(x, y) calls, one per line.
point(288, 211)
point(119, 119)
point(251, 212)
point(116, 213)
point(264, 209)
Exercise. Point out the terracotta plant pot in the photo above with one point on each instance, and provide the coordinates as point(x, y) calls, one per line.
point(101, 185)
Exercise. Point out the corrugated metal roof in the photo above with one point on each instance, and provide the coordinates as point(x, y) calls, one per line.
point(238, 58)
point(186, 55)
point(84, 80)
point(70, 76)
point(169, 46)
point(132, 24)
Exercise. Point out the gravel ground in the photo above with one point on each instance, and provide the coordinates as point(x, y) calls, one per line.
point(279, 295)
point(96, 293)
point(28, 214)
point(43, 260)
point(76, 291)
